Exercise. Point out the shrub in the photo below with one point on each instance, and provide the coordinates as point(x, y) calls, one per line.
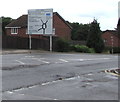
point(91, 50)
point(72, 48)
point(115, 49)
point(83, 48)
point(62, 45)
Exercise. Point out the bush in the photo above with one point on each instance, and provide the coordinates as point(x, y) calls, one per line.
point(72, 48)
point(115, 49)
point(62, 45)
point(83, 48)
point(91, 50)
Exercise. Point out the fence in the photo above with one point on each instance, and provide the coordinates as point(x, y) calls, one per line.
point(23, 43)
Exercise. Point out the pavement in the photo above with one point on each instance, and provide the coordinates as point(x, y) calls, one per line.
point(20, 51)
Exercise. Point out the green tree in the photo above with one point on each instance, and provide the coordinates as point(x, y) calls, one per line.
point(75, 27)
point(79, 31)
point(83, 32)
point(118, 28)
point(5, 21)
point(94, 38)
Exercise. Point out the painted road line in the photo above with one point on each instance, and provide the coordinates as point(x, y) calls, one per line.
point(29, 56)
point(20, 62)
point(63, 60)
point(108, 72)
point(38, 59)
point(43, 61)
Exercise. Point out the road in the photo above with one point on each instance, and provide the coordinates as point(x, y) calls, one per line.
point(59, 76)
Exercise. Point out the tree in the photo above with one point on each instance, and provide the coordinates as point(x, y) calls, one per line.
point(94, 38)
point(83, 32)
point(75, 27)
point(79, 31)
point(5, 21)
point(118, 28)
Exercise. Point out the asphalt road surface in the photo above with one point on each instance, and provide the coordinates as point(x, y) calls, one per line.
point(59, 76)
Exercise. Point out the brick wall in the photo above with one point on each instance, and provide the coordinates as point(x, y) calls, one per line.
point(108, 41)
point(61, 29)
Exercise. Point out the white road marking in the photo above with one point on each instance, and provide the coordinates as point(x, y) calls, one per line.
point(43, 61)
point(33, 86)
point(90, 74)
point(40, 59)
point(81, 59)
point(45, 83)
point(55, 99)
point(99, 58)
point(63, 60)
point(19, 89)
point(90, 59)
point(10, 92)
point(20, 62)
point(29, 56)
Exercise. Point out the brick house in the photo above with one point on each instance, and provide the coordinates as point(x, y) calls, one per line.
point(19, 27)
point(110, 38)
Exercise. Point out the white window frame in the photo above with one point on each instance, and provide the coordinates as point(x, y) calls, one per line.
point(26, 31)
point(105, 40)
point(14, 30)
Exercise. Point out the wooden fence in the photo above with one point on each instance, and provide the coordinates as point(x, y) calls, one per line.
point(23, 43)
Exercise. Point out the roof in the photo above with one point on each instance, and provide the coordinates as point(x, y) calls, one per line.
point(55, 13)
point(114, 32)
point(22, 21)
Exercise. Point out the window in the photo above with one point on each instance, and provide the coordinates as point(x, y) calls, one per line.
point(26, 31)
point(105, 40)
point(14, 30)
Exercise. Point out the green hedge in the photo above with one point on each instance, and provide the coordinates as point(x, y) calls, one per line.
point(64, 46)
point(82, 48)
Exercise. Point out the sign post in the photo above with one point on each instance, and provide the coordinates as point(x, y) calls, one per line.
point(51, 43)
point(40, 21)
point(30, 43)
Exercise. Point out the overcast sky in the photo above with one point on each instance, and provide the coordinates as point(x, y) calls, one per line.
point(82, 11)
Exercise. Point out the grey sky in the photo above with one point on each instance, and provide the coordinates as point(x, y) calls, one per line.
point(82, 11)
point(119, 9)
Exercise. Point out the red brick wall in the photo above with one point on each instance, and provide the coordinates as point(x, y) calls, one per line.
point(107, 36)
point(22, 33)
point(61, 29)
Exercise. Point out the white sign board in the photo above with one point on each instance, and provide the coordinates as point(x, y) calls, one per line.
point(40, 21)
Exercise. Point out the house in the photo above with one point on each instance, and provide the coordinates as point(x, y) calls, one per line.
point(17, 36)
point(111, 38)
point(19, 27)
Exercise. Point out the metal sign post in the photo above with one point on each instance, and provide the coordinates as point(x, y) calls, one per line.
point(51, 39)
point(51, 43)
point(30, 42)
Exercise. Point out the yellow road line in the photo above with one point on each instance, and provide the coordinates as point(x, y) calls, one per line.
point(112, 73)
